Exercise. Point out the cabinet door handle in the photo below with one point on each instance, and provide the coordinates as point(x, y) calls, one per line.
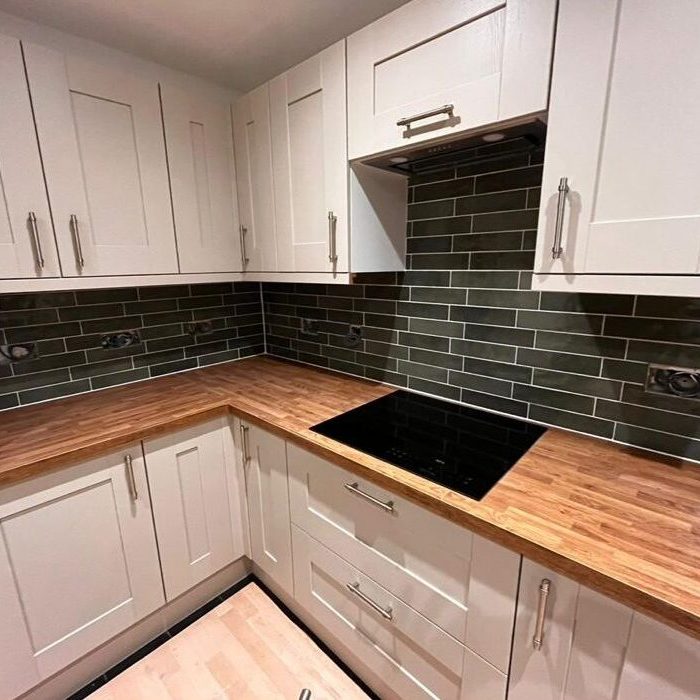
point(75, 230)
point(563, 190)
point(388, 506)
point(38, 253)
point(130, 478)
point(445, 109)
point(386, 613)
point(244, 444)
point(243, 232)
point(541, 612)
point(332, 249)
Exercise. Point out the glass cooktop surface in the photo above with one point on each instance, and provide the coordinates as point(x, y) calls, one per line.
point(464, 449)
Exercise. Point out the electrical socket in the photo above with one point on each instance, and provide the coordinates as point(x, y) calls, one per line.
point(673, 381)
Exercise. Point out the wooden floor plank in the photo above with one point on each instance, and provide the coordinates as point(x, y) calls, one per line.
point(246, 648)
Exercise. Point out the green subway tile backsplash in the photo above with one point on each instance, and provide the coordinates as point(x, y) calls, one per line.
point(462, 323)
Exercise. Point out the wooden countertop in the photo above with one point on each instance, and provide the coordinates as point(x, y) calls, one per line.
point(618, 520)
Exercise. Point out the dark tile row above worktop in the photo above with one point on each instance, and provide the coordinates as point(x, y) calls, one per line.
point(462, 322)
point(68, 328)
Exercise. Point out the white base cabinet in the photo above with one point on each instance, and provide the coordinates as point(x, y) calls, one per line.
point(593, 648)
point(196, 491)
point(265, 464)
point(78, 564)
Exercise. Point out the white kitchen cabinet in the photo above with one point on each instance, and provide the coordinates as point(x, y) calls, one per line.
point(462, 583)
point(196, 492)
point(593, 648)
point(309, 156)
point(199, 137)
point(415, 658)
point(623, 105)
point(253, 147)
point(434, 68)
point(27, 246)
point(78, 564)
point(101, 138)
point(660, 663)
point(265, 464)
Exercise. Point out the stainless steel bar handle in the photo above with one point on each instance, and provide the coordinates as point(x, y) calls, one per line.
point(388, 506)
point(386, 613)
point(130, 478)
point(244, 444)
point(38, 253)
point(563, 189)
point(332, 249)
point(243, 231)
point(75, 229)
point(541, 612)
point(445, 109)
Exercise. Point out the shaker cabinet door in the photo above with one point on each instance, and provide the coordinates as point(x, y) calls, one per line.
point(253, 146)
point(199, 138)
point(101, 137)
point(569, 641)
point(188, 478)
point(309, 155)
point(27, 246)
point(438, 67)
point(78, 564)
point(624, 106)
point(265, 464)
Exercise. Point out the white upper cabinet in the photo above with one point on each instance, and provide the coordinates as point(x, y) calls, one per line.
point(101, 137)
point(437, 67)
point(309, 155)
point(253, 146)
point(27, 247)
point(625, 106)
point(199, 137)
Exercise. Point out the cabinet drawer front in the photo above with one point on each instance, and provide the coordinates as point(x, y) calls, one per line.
point(428, 54)
point(420, 557)
point(413, 656)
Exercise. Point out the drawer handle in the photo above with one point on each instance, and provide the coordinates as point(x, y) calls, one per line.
point(541, 611)
point(388, 506)
point(130, 478)
point(562, 190)
point(386, 613)
point(445, 109)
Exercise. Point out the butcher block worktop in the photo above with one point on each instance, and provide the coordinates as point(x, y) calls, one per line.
point(617, 520)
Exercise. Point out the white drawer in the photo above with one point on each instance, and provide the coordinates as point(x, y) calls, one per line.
point(413, 656)
point(437, 567)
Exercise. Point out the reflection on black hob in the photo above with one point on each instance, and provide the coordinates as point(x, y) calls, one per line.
point(464, 449)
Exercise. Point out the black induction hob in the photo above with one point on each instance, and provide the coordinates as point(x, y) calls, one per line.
point(464, 449)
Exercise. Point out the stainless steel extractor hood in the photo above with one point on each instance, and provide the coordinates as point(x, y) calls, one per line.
point(478, 143)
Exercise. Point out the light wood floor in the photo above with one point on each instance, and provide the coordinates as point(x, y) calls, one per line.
point(244, 648)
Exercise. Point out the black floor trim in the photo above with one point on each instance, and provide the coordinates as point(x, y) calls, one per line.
point(130, 660)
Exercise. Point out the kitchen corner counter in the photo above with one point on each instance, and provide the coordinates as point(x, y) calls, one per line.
point(618, 520)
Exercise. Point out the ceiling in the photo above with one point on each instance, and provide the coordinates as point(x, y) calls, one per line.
point(238, 43)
